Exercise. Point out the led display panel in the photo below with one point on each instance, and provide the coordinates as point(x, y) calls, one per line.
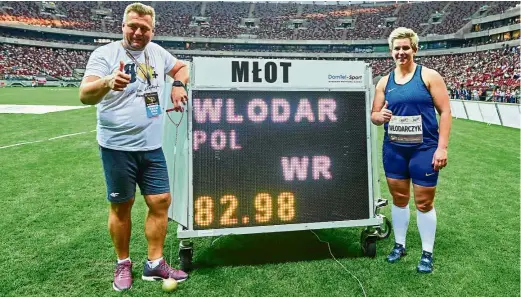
point(278, 157)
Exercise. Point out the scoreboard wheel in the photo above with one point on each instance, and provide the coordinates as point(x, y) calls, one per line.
point(368, 243)
point(186, 257)
point(384, 230)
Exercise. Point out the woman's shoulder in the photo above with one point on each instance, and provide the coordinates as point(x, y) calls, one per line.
point(429, 72)
point(429, 75)
point(382, 83)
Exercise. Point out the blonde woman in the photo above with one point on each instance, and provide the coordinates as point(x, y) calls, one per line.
point(415, 145)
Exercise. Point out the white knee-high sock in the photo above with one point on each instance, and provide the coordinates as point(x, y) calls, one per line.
point(400, 216)
point(427, 227)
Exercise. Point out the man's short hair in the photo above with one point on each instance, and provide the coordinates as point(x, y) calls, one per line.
point(402, 33)
point(140, 9)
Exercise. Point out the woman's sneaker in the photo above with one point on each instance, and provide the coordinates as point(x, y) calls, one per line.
point(397, 253)
point(162, 271)
point(425, 265)
point(123, 276)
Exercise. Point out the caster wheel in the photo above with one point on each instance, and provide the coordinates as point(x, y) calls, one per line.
point(186, 258)
point(368, 243)
point(384, 230)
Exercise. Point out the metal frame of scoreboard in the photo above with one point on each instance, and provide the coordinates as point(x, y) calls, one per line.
point(202, 80)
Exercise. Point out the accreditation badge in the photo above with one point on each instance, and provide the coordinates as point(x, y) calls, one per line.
point(407, 129)
point(152, 104)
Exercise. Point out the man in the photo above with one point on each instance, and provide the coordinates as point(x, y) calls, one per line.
point(126, 80)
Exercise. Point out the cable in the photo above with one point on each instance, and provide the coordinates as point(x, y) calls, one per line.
point(220, 236)
point(331, 253)
point(175, 152)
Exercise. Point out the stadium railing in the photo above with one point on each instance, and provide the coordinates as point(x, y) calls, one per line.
point(504, 114)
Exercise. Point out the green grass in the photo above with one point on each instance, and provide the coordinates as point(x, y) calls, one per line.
point(54, 238)
point(40, 96)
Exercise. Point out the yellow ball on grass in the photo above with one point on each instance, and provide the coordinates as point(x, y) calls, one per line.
point(169, 285)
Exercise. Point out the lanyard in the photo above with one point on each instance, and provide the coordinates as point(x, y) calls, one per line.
point(147, 64)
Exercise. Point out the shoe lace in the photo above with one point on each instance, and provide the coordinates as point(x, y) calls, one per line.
point(426, 260)
point(123, 271)
point(397, 250)
point(165, 267)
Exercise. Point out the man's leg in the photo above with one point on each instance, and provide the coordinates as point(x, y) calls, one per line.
point(156, 223)
point(120, 226)
point(120, 175)
point(155, 187)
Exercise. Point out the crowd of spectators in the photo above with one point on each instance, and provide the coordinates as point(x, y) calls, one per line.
point(320, 22)
point(28, 61)
point(479, 72)
point(412, 15)
point(456, 16)
point(380, 66)
point(470, 73)
point(227, 16)
point(488, 73)
point(67, 15)
point(502, 7)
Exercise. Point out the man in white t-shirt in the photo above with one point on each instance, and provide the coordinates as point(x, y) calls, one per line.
point(126, 80)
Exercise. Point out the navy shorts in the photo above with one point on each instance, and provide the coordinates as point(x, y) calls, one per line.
point(410, 162)
point(123, 170)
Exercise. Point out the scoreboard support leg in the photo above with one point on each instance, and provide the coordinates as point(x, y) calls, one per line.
point(372, 234)
point(186, 253)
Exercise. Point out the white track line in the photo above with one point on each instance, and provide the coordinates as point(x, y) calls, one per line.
point(22, 143)
point(53, 138)
point(66, 135)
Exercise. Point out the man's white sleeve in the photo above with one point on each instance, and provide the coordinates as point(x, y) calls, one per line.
point(97, 65)
point(169, 60)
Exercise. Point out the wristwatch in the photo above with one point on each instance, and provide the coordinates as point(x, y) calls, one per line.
point(178, 83)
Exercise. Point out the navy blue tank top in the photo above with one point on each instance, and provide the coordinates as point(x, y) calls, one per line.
point(412, 99)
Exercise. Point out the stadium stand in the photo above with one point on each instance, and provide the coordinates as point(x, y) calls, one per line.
point(502, 6)
point(455, 15)
point(484, 69)
point(26, 61)
point(412, 15)
point(319, 22)
point(487, 70)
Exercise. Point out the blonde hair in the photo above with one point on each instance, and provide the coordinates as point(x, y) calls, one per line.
point(140, 9)
point(402, 33)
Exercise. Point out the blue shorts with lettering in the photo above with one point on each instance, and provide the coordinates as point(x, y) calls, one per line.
point(123, 170)
point(410, 162)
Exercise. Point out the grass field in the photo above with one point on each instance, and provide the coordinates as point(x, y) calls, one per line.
point(54, 238)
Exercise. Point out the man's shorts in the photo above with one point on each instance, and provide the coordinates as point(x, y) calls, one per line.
point(123, 170)
point(410, 162)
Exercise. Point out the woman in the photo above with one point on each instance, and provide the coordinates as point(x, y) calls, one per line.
point(415, 147)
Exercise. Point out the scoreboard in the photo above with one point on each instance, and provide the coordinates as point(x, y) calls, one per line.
point(272, 145)
point(270, 158)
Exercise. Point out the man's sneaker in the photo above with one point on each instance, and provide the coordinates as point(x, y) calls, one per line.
point(123, 276)
point(425, 265)
point(397, 253)
point(163, 271)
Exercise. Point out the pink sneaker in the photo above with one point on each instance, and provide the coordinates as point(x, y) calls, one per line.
point(163, 271)
point(123, 276)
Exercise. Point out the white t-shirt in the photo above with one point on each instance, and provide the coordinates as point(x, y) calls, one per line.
point(122, 121)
